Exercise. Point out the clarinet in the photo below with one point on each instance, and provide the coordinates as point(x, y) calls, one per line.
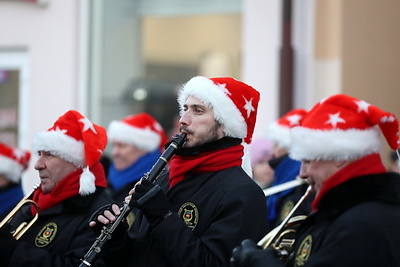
point(106, 233)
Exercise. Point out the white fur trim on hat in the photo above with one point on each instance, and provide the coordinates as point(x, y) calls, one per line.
point(337, 145)
point(279, 135)
point(61, 145)
point(213, 96)
point(144, 139)
point(11, 169)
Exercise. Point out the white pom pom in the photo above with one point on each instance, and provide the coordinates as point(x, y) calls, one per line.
point(86, 182)
point(246, 163)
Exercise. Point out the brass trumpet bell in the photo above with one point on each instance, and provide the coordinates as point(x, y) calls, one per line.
point(19, 230)
point(282, 238)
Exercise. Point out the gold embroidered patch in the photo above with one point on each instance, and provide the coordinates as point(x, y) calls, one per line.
point(130, 219)
point(46, 235)
point(287, 207)
point(190, 214)
point(304, 251)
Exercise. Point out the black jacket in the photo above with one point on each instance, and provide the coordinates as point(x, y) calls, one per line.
point(356, 224)
point(212, 214)
point(60, 237)
point(227, 207)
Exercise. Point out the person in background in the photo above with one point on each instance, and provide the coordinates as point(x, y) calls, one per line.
point(285, 168)
point(203, 205)
point(13, 162)
point(260, 154)
point(72, 187)
point(356, 212)
point(137, 142)
point(106, 162)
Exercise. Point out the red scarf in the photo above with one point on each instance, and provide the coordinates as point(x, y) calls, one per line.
point(370, 164)
point(211, 161)
point(66, 188)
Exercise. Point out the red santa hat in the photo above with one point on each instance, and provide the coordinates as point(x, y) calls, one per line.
point(342, 127)
point(13, 161)
point(234, 104)
point(140, 130)
point(75, 139)
point(279, 131)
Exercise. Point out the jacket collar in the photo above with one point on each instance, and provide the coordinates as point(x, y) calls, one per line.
point(384, 187)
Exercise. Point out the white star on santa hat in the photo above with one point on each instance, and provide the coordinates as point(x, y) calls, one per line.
point(87, 124)
point(334, 119)
point(248, 106)
point(385, 119)
point(227, 91)
point(362, 106)
point(294, 119)
point(57, 129)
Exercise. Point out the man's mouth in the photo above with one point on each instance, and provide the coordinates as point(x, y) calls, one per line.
point(185, 130)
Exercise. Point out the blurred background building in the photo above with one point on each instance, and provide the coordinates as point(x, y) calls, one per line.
point(109, 59)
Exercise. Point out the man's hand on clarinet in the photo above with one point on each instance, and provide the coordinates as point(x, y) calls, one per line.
point(105, 215)
point(109, 212)
point(102, 221)
point(149, 198)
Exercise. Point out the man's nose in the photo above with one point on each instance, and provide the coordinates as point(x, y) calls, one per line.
point(303, 172)
point(39, 163)
point(184, 119)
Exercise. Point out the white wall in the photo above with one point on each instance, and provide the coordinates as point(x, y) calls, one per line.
point(49, 37)
point(260, 59)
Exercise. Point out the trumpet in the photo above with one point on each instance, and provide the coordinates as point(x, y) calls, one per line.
point(282, 237)
point(17, 230)
point(106, 233)
point(282, 187)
